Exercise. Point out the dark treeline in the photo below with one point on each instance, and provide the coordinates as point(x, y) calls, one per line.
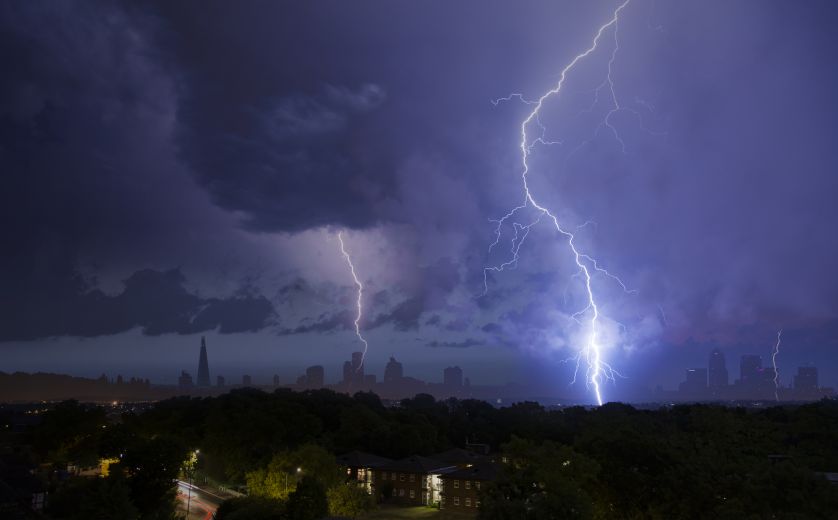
point(615, 461)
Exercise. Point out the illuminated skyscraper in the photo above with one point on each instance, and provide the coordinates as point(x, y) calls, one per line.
point(203, 366)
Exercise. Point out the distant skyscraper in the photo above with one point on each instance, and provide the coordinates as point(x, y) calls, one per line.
point(246, 381)
point(749, 370)
point(357, 362)
point(315, 376)
point(393, 372)
point(717, 372)
point(203, 366)
point(452, 377)
point(695, 384)
point(276, 379)
point(185, 380)
point(219, 381)
point(347, 372)
point(806, 379)
point(353, 371)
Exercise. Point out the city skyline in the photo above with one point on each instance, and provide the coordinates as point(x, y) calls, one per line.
point(601, 196)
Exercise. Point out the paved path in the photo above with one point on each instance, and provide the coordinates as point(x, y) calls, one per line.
point(202, 504)
point(403, 513)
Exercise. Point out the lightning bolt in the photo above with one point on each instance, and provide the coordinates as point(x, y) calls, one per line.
point(597, 370)
point(774, 363)
point(360, 286)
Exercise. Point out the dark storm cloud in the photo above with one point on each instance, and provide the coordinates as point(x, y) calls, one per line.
point(155, 301)
point(325, 323)
point(120, 124)
point(466, 343)
point(290, 165)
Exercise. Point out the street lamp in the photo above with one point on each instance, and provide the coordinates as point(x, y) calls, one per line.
point(191, 471)
point(299, 470)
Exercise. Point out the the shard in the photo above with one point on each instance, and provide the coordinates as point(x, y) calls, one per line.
point(203, 365)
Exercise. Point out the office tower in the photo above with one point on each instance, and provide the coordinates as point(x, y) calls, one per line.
point(697, 378)
point(203, 366)
point(717, 372)
point(246, 381)
point(393, 372)
point(184, 382)
point(695, 384)
point(353, 371)
point(806, 379)
point(357, 362)
point(452, 377)
point(347, 372)
point(749, 368)
point(276, 379)
point(315, 376)
point(219, 381)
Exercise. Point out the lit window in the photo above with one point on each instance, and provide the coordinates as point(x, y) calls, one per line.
point(468, 484)
point(456, 501)
point(401, 477)
point(468, 502)
point(456, 484)
point(477, 484)
point(401, 492)
point(412, 477)
point(476, 502)
point(412, 494)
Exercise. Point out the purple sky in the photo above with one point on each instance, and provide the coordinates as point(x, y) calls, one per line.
point(172, 169)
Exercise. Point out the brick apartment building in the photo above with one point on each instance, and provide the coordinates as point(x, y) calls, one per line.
point(411, 481)
point(360, 466)
point(461, 489)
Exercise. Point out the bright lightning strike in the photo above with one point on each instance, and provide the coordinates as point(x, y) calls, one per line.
point(360, 306)
point(774, 363)
point(597, 369)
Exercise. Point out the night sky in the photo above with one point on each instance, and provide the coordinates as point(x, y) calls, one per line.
point(178, 169)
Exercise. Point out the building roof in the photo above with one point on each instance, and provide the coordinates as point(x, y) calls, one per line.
point(418, 464)
point(484, 472)
point(361, 459)
point(459, 456)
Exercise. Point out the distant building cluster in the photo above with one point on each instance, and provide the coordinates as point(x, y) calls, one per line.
point(395, 384)
point(754, 382)
point(710, 383)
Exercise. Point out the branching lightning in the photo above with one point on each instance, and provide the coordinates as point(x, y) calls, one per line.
point(774, 364)
point(598, 370)
point(360, 313)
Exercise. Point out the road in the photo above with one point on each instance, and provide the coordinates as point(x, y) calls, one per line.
point(203, 503)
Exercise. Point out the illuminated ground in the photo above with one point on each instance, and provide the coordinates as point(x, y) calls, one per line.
point(396, 513)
